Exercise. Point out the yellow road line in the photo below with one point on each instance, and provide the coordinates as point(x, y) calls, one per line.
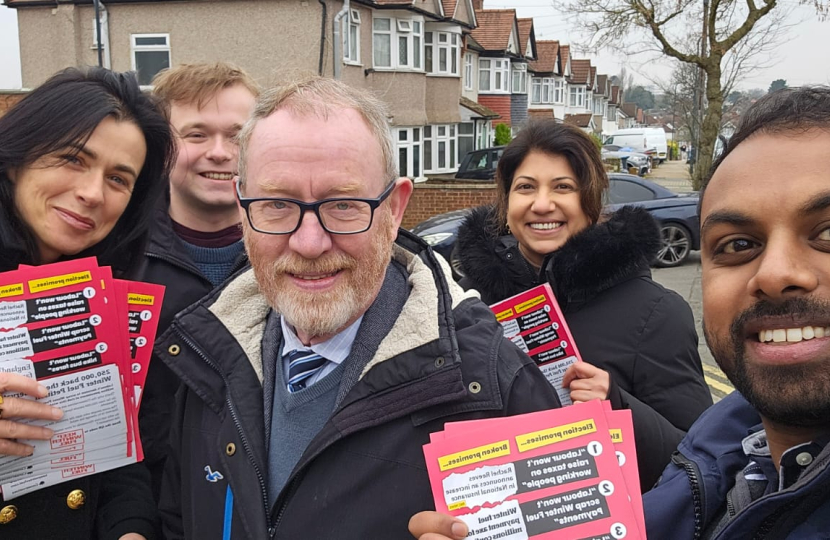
point(717, 385)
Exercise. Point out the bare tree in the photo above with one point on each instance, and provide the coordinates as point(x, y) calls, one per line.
point(717, 42)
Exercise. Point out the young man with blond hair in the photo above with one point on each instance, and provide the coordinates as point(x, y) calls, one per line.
point(197, 241)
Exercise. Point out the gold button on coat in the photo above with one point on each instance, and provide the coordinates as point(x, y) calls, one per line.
point(8, 514)
point(75, 499)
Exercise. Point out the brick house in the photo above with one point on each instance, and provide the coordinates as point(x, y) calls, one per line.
point(408, 52)
point(547, 84)
point(497, 33)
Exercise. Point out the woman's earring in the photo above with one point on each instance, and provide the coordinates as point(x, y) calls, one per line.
point(507, 227)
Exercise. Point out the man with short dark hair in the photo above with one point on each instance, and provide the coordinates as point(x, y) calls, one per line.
point(757, 464)
point(313, 379)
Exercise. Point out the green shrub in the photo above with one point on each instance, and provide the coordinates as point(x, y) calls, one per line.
point(503, 135)
point(597, 140)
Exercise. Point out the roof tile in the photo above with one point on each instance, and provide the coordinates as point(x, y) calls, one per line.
point(525, 28)
point(449, 7)
point(494, 28)
point(564, 56)
point(548, 52)
point(579, 120)
point(580, 71)
point(541, 113)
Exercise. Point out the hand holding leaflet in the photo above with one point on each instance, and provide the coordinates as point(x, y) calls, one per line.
point(533, 321)
point(547, 475)
point(66, 325)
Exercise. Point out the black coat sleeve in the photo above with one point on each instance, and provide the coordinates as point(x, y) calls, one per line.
point(170, 503)
point(126, 504)
point(668, 389)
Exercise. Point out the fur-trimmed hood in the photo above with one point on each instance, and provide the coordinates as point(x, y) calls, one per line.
point(620, 247)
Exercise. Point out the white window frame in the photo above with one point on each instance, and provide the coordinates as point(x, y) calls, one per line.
point(558, 91)
point(351, 27)
point(498, 71)
point(536, 90)
point(469, 72)
point(435, 136)
point(413, 143)
point(411, 31)
point(134, 48)
point(447, 43)
point(520, 70)
point(470, 137)
point(577, 96)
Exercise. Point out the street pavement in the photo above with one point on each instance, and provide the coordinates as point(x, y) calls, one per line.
point(685, 279)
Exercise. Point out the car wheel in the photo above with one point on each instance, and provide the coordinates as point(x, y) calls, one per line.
point(676, 244)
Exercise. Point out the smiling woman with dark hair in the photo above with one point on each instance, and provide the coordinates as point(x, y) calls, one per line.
point(83, 160)
point(637, 338)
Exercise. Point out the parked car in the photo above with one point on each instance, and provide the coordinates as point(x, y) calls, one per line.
point(675, 213)
point(480, 164)
point(642, 140)
point(629, 161)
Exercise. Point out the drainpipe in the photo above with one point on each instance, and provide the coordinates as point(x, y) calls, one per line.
point(338, 39)
point(322, 38)
point(97, 6)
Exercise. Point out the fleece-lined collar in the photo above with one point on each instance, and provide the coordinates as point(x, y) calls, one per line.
point(242, 309)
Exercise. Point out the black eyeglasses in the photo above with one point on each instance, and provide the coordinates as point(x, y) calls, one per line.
point(271, 215)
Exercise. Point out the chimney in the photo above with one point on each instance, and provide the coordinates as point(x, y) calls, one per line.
point(478, 5)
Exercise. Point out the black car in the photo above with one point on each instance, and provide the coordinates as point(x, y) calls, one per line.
point(480, 164)
point(676, 214)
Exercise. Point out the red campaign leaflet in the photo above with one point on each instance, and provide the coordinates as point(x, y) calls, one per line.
point(620, 428)
point(144, 311)
point(59, 323)
point(140, 303)
point(548, 475)
point(533, 321)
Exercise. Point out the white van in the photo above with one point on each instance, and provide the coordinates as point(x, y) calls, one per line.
point(642, 140)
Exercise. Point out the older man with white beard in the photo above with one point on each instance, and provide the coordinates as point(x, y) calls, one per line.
point(312, 381)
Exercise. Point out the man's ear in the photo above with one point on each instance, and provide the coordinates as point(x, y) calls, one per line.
point(399, 199)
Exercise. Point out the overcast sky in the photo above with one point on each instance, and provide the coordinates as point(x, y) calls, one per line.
point(802, 58)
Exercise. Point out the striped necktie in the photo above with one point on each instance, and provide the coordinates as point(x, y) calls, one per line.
point(302, 365)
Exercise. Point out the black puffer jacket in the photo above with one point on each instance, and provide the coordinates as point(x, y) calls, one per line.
point(166, 262)
point(622, 321)
point(363, 476)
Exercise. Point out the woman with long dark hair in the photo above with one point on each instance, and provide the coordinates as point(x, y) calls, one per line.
point(83, 160)
point(637, 338)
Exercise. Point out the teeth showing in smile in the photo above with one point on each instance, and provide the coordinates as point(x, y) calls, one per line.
point(315, 278)
point(546, 226)
point(793, 335)
point(218, 176)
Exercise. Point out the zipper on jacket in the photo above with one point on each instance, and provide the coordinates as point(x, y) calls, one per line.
point(292, 488)
point(245, 444)
point(693, 473)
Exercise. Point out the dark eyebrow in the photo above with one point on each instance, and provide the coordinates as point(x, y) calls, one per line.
point(556, 179)
point(92, 155)
point(725, 217)
point(817, 204)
